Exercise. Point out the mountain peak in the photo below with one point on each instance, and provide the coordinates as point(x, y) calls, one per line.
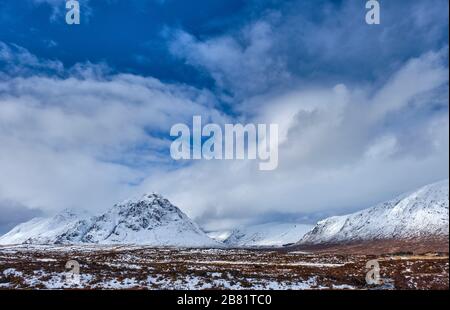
point(153, 199)
point(149, 206)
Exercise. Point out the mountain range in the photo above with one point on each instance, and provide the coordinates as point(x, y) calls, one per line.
point(152, 220)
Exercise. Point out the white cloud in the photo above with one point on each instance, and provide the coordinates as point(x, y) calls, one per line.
point(83, 139)
point(382, 130)
point(342, 148)
point(231, 60)
point(311, 43)
point(17, 60)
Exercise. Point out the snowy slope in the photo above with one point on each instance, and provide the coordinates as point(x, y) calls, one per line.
point(150, 220)
point(422, 213)
point(57, 229)
point(265, 235)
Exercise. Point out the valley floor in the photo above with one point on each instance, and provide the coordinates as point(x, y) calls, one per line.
point(127, 267)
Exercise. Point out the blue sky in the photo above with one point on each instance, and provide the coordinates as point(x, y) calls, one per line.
point(128, 35)
point(133, 36)
point(85, 110)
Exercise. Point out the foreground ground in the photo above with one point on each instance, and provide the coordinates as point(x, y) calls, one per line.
point(23, 267)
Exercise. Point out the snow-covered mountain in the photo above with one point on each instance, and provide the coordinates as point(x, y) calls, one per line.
point(421, 214)
point(48, 230)
point(154, 221)
point(263, 235)
point(151, 220)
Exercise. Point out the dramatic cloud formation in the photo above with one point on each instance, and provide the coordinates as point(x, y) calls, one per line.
point(343, 147)
point(315, 41)
point(363, 116)
point(83, 139)
point(231, 63)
